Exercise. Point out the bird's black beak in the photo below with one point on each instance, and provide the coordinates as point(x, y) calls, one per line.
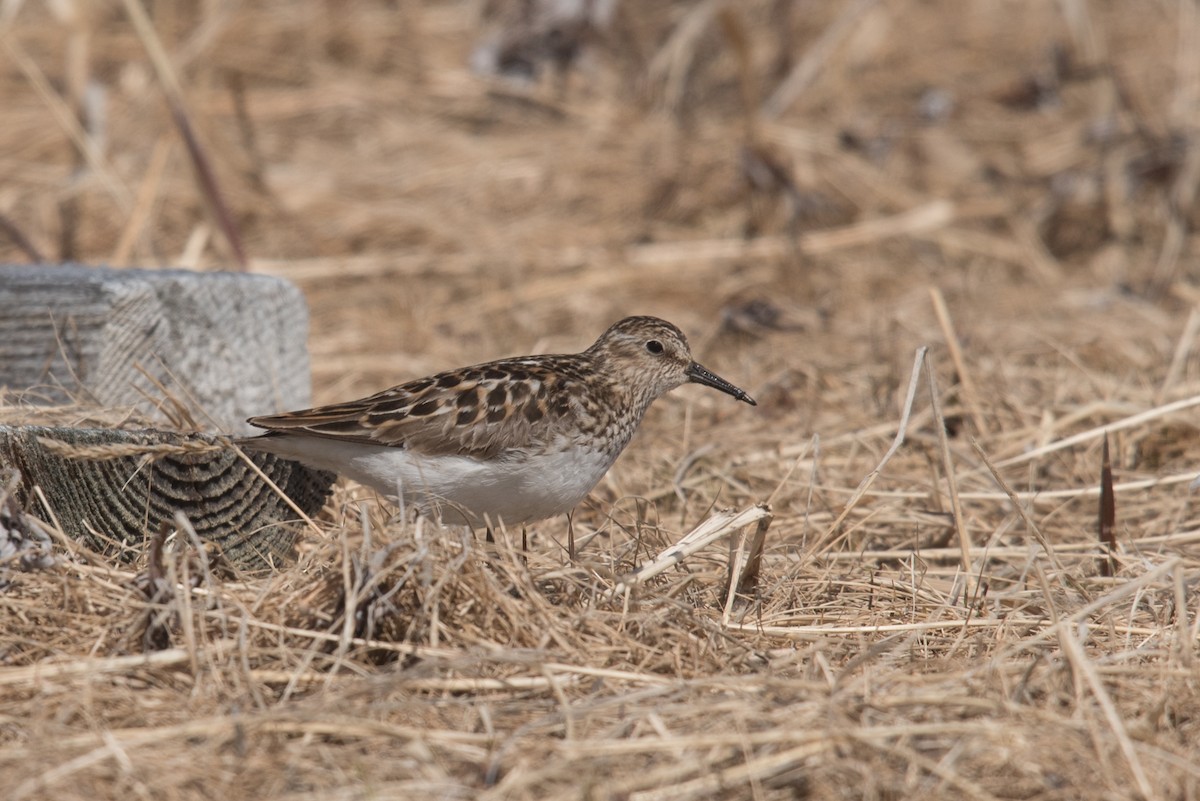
point(698, 374)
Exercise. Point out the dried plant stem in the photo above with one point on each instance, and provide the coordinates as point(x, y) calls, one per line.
point(820, 630)
point(921, 220)
point(175, 102)
point(901, 431)
point(969, 395)
point(69, 450)
point(1037, 496)
point(1020, 508)
point(744, 570)
point(1183, 637)
point(143, 204)
point(33, 674)
point(960, 524)
point(1131, 587)
point(712, 529)
point(283, 496)
point(1179, 358)
point(1094, 433)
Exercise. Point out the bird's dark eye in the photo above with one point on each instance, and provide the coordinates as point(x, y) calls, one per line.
point(654, 346)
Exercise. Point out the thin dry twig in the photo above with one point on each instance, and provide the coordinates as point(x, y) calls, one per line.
point(1012, 496)
point(970, 396)
point(956, 509)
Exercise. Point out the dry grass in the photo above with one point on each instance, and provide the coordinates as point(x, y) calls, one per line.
point(1009, 184)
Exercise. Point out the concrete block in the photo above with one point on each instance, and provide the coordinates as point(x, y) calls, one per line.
point(228, 345)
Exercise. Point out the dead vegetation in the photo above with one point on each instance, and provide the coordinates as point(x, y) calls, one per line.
point(814, 191)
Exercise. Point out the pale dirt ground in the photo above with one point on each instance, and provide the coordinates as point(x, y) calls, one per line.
point(1033, 164)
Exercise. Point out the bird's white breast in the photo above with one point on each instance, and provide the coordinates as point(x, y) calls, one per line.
point(516, 489)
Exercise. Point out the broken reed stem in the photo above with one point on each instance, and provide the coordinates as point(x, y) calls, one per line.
point(716, 526)
point(1107, 515)
point(745, 563)
point(179, 576)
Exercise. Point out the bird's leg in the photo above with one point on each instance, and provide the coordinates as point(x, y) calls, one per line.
point(571, 535)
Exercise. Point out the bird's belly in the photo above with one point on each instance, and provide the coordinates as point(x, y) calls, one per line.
point(459, 489)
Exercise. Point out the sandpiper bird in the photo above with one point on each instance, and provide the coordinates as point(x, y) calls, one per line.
point(509, 441)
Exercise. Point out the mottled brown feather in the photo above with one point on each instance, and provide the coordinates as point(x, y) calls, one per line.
point(449, 413)
point(520, 406)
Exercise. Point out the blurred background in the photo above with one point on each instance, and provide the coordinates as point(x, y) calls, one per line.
point(785, 179)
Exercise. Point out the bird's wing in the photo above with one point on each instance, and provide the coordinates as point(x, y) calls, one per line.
point(479, 411)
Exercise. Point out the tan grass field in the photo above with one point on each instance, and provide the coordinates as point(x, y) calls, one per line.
point(813, 191)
